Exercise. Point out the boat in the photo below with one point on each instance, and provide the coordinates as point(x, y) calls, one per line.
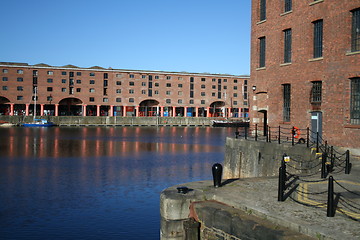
point(229, 123)
point(39, 123)
point(6, 124)
point(36, 121)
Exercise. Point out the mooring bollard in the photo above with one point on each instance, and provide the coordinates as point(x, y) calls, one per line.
point(217, 174)
point(347, 163)
point(330, 202)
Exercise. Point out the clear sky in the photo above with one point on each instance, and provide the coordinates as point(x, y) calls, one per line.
point(169, 35)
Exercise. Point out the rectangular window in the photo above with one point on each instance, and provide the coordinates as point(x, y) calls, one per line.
point(355, 101)
point(168, 85)
point(20, 71)
point(131, 91)
point(78, 73)
point(71, 74)
point(50, 72)
point(63, 80)
point(92, 81)
point(5, 79)
point(118, 83)
point(91, 74)
point(168, 77)
point(287, 46)
point(19, 88)
point(49, 89)
point(20, 79)
point(202, 102)
point(105, 100)
point(118, 99)
point(78, 89)
point(5, 71)
point(106, 75)
point(49, 80)
point(355, 32)
point(262, 47)
point(318, 39)
point(316, 92)
point(180, 101)
point(91, 99)
point(62, 73)
point(78, 81)
point(5, 88)
point(131, 99)
point(131, 76)
point(286, 102)
point(262, 10)
point(19, 98)
point(92, 90)
point(63, 89)
point(287, 5)
point(168, 100)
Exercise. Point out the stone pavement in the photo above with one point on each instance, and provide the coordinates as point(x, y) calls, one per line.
point(304, 211)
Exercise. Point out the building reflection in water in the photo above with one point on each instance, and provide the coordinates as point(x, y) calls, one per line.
point(64, 181)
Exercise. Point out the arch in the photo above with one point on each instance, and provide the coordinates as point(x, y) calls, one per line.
point(4, 100)
point(70, 107)
point(4, 106)
point(149, 108)
point(217, 109)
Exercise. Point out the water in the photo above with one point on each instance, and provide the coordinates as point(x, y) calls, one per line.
point(97, 182)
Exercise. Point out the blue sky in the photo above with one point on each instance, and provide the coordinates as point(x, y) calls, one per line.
point(169, 35)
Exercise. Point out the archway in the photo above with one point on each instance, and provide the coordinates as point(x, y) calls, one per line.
point(4, 106)
point(149, 108)
point(217, 109)
point(70, 107)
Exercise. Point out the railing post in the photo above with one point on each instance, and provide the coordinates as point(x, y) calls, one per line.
point(237, 133)
point(279, 136)
point(282, 180)
point(246, 131)
point(317, 142)
point(256, 132)
point(347, 162)
point(330, 202)
point(323, 165)
point(307, 137)
point(292, 135)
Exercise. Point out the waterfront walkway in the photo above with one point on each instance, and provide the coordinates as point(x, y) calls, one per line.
point(304, 211)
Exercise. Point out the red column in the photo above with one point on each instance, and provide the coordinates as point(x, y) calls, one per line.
point(27, 109)
point(136, 111)
point(124, 111)
point(174, 112)
point(185, 111)
point(84, 110)
point(11, 113)
point(56, 110)
point(161, 111)
point(98, 110)
point(111, 114)
point(196, 111)
point(208, 112)
point(41, 109)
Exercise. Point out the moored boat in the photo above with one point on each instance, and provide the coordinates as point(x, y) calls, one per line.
point(39, 123)
point(229, 123)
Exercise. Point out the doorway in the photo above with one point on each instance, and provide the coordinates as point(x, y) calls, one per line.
point(316, 126)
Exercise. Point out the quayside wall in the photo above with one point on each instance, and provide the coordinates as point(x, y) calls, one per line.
point(115, 121)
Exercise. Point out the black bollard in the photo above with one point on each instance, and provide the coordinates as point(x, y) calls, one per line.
point(330, 202)
point(217, 174)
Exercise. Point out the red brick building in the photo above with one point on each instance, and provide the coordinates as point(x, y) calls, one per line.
point(96, 91)
point(305, 67)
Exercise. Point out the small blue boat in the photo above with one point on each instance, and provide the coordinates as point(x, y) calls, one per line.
point(39, 123)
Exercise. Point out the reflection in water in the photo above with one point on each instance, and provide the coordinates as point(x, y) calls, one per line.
point(95, 182)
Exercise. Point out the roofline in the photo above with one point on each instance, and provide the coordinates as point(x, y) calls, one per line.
point(21, 65)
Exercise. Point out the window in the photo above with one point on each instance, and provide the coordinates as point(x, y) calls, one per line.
point(262, 10)
point(131, 91)
point(62, 73)
point(35, 73)
point(262, 46)
point(156, 77)
point(191, 79)
point(143, 92)
point(5, 88)
point(202, 94)
point(92, 99)
point(168, 100)
point(92, 90)
point(106, 83)
point(91, 74)
point(235, 103)
point(19, 88)
point(78, 73)
point(118, 100)
point(63, 89)
point(213, 80)
point(213, 86)
point(180, 85)
point(168, 77)
point(203, 86)
point(156, 84)
point(78, 89)
point(78, 81)
point(168, 92)
point(245, 82)
point(118, 75)
point(92, 81)
point(118, 90)
point(19, 98)
point(355, 33)
point(287, 5)
point(318, 39)
point(213, 94)
point(118, 83)
point(131, 76)
point(20, 79)
point(106, 75)
point(235, 95)
point(49, 80)
point(71, 74)
point(180, 101)
point(131, 83)
point(287, 46)
point(202, 101)
point(20, 71)
point(5, 79)
point(168, 85)
point(143, 84)
point(5, 71)
point(50, 72)
point(63, 80)
point(286, 102)
point(105, 100)
point(235, 80)
point(355, 101)
point(156, 92)
point(235, 88)
point(203, 79)
point(316, 92)
point(180, 93)
point(131, 99)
